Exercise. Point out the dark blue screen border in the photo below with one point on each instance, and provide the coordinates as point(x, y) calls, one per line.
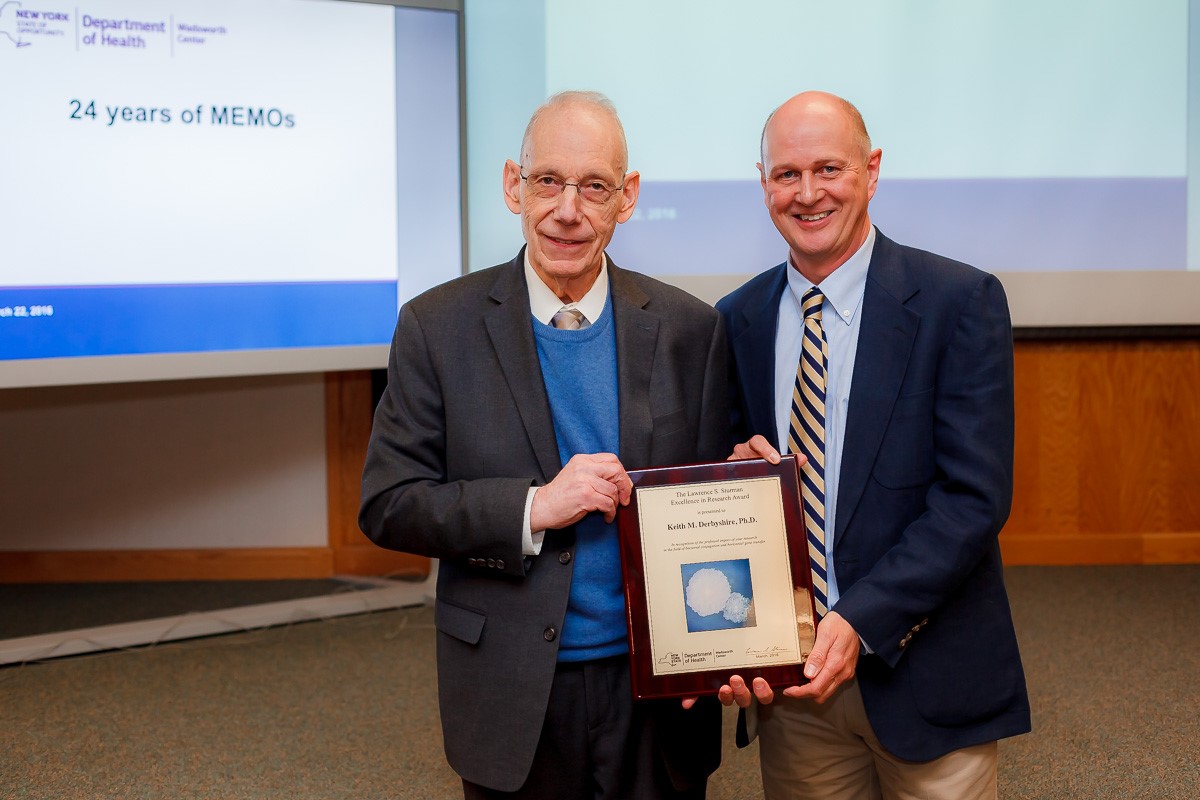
point(55, 322)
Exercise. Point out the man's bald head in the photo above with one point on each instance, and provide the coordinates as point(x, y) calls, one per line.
point(574, 101)
point(833, 103)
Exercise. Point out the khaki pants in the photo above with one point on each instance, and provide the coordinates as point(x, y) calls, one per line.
point(829, 752)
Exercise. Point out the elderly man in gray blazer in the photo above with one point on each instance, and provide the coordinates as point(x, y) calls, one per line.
point(517, 397)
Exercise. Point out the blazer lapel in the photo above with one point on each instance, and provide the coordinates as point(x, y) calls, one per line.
point(510, 328)
point(637, 337)
point(754, 346)
point(885, 342)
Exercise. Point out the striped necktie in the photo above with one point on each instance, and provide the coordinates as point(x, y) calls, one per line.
point(569, 319)
point(806, 434)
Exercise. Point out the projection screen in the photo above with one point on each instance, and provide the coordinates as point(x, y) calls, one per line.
point(211, 187)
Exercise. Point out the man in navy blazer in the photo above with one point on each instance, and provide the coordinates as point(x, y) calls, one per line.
point(915, 673)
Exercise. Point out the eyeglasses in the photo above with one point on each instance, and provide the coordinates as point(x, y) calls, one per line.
point(548, 187)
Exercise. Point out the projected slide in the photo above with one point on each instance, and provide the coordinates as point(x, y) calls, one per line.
point(199, 175)
point(1017, 136)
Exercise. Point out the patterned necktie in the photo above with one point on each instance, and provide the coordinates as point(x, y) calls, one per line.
point(806, 434)
point(569, 319)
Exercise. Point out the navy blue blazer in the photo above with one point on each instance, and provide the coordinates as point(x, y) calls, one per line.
point(926, 485)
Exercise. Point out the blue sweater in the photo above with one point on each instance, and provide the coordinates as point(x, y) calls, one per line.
point(580, 372)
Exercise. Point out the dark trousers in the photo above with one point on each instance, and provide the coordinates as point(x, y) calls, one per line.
point(596, 742)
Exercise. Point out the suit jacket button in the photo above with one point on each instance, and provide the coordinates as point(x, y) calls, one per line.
point(499, 563)
point(491, 562)
point(564, 557)
point(549, 634)
point(472, 562)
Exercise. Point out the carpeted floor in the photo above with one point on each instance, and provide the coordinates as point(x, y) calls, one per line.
point(346, 708)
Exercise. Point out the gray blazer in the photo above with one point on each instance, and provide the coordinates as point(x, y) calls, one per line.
point(461, 433)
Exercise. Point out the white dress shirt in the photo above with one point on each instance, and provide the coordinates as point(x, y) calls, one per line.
point(544, 304)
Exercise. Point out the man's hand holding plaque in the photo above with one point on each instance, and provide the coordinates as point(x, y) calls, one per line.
point(717, 578)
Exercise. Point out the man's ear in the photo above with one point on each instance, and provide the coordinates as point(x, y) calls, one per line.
point(629, 195)
point(512, 186)
point(873, 171)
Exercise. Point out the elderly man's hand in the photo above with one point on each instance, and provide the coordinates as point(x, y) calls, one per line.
point(833, 659)
point(591, 482)
point(737, 693)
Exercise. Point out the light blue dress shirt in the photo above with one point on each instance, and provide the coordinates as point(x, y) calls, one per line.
point(841, 318)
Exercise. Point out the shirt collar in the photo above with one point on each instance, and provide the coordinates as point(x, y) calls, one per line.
point(844, 287)
point(544, 303)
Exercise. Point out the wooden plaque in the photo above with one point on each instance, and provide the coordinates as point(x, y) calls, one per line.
point(717, 579)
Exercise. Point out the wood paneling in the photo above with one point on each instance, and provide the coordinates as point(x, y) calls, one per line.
point(165, 565)
point(348, 414)
point(1107, 453)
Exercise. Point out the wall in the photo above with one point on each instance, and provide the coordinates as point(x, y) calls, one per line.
point(179, 479)
point(258, 478)
point(1107, 452)
point(188, 480)
point(138, 466)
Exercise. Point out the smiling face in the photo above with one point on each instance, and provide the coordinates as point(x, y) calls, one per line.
point(818, 175)
point(575, 142)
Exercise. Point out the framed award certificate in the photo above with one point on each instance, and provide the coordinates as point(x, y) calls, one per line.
point(717, 579)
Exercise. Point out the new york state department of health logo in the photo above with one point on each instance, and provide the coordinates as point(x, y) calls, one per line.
point(19, 24)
